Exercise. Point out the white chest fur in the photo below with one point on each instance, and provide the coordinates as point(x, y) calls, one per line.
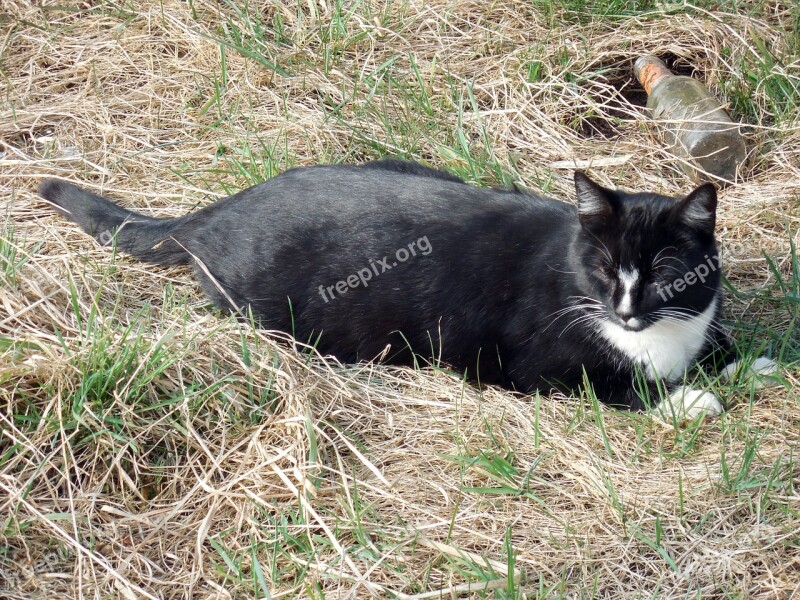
point(666, 348)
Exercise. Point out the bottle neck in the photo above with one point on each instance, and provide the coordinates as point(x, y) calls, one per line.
point(649, 70)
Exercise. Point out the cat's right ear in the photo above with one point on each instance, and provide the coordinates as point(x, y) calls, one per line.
point(595, 203)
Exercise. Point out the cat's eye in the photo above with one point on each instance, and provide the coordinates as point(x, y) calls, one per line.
point(604, 273)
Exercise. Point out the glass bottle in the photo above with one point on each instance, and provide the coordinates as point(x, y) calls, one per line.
point(694, 122)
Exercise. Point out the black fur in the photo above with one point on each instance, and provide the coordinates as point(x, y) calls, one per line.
point(488, 297)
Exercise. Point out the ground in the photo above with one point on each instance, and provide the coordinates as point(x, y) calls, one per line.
point(151, 447)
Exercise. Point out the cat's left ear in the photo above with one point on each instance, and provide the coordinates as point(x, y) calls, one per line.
point(699, 209)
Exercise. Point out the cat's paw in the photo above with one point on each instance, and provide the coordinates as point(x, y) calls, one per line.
point(684, 404)
point(758, 372)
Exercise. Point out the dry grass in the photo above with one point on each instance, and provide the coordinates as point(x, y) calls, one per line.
point(152, 448)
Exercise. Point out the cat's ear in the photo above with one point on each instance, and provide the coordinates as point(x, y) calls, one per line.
point(595, 203)
point(699, 209)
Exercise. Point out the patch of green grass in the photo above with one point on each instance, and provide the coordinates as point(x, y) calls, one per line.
point(473, 158)
point(287, 546)
point(109, 357)
point(124, 376)
point(565, 586)
point(241, 567)
point(250, 161)
point(497, 465)
point(256, 159)
point(10, 262)
point(588, 11)
point(335, 34)
point(779, 337)
point(653, 539)
point(399, 98)
point(261, 396)
point(767, 91)
point(13, 253)
point(248, 35)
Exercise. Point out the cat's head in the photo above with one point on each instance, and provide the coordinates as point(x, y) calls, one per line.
point(645, 257)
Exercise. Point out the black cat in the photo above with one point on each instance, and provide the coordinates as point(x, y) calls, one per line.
point(395, 260)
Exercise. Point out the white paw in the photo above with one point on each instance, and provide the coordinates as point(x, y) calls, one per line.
point(757, 372)
point(685, 404)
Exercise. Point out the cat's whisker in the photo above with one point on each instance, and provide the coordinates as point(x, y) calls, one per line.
point(672, 271)
point(560, 271)
point(588, 298)
point(657, 258)
point(695, 328)
point(683, 312)
point(567, 309)
point(678, 319)
point(560, 313)
point(603, 249)
point(563, 312)
point(574, 322)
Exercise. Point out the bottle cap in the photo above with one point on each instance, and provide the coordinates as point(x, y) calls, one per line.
point(649, 70)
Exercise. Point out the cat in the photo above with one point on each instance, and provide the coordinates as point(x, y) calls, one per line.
point(398, 261)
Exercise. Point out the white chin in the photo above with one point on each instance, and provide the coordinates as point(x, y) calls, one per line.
point(634, 324)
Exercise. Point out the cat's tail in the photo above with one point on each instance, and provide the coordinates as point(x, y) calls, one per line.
point(143, 237)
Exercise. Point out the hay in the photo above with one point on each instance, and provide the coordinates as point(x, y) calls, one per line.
point(201, 456)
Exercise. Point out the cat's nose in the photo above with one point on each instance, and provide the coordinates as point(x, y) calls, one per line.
point(629, 321)
point(625, 313)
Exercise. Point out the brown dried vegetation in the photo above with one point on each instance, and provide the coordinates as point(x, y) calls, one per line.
point(153, 448)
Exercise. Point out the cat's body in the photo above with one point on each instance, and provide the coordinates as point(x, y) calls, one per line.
point(513, 288)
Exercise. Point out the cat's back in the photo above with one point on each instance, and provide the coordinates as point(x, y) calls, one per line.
point(346, 192)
